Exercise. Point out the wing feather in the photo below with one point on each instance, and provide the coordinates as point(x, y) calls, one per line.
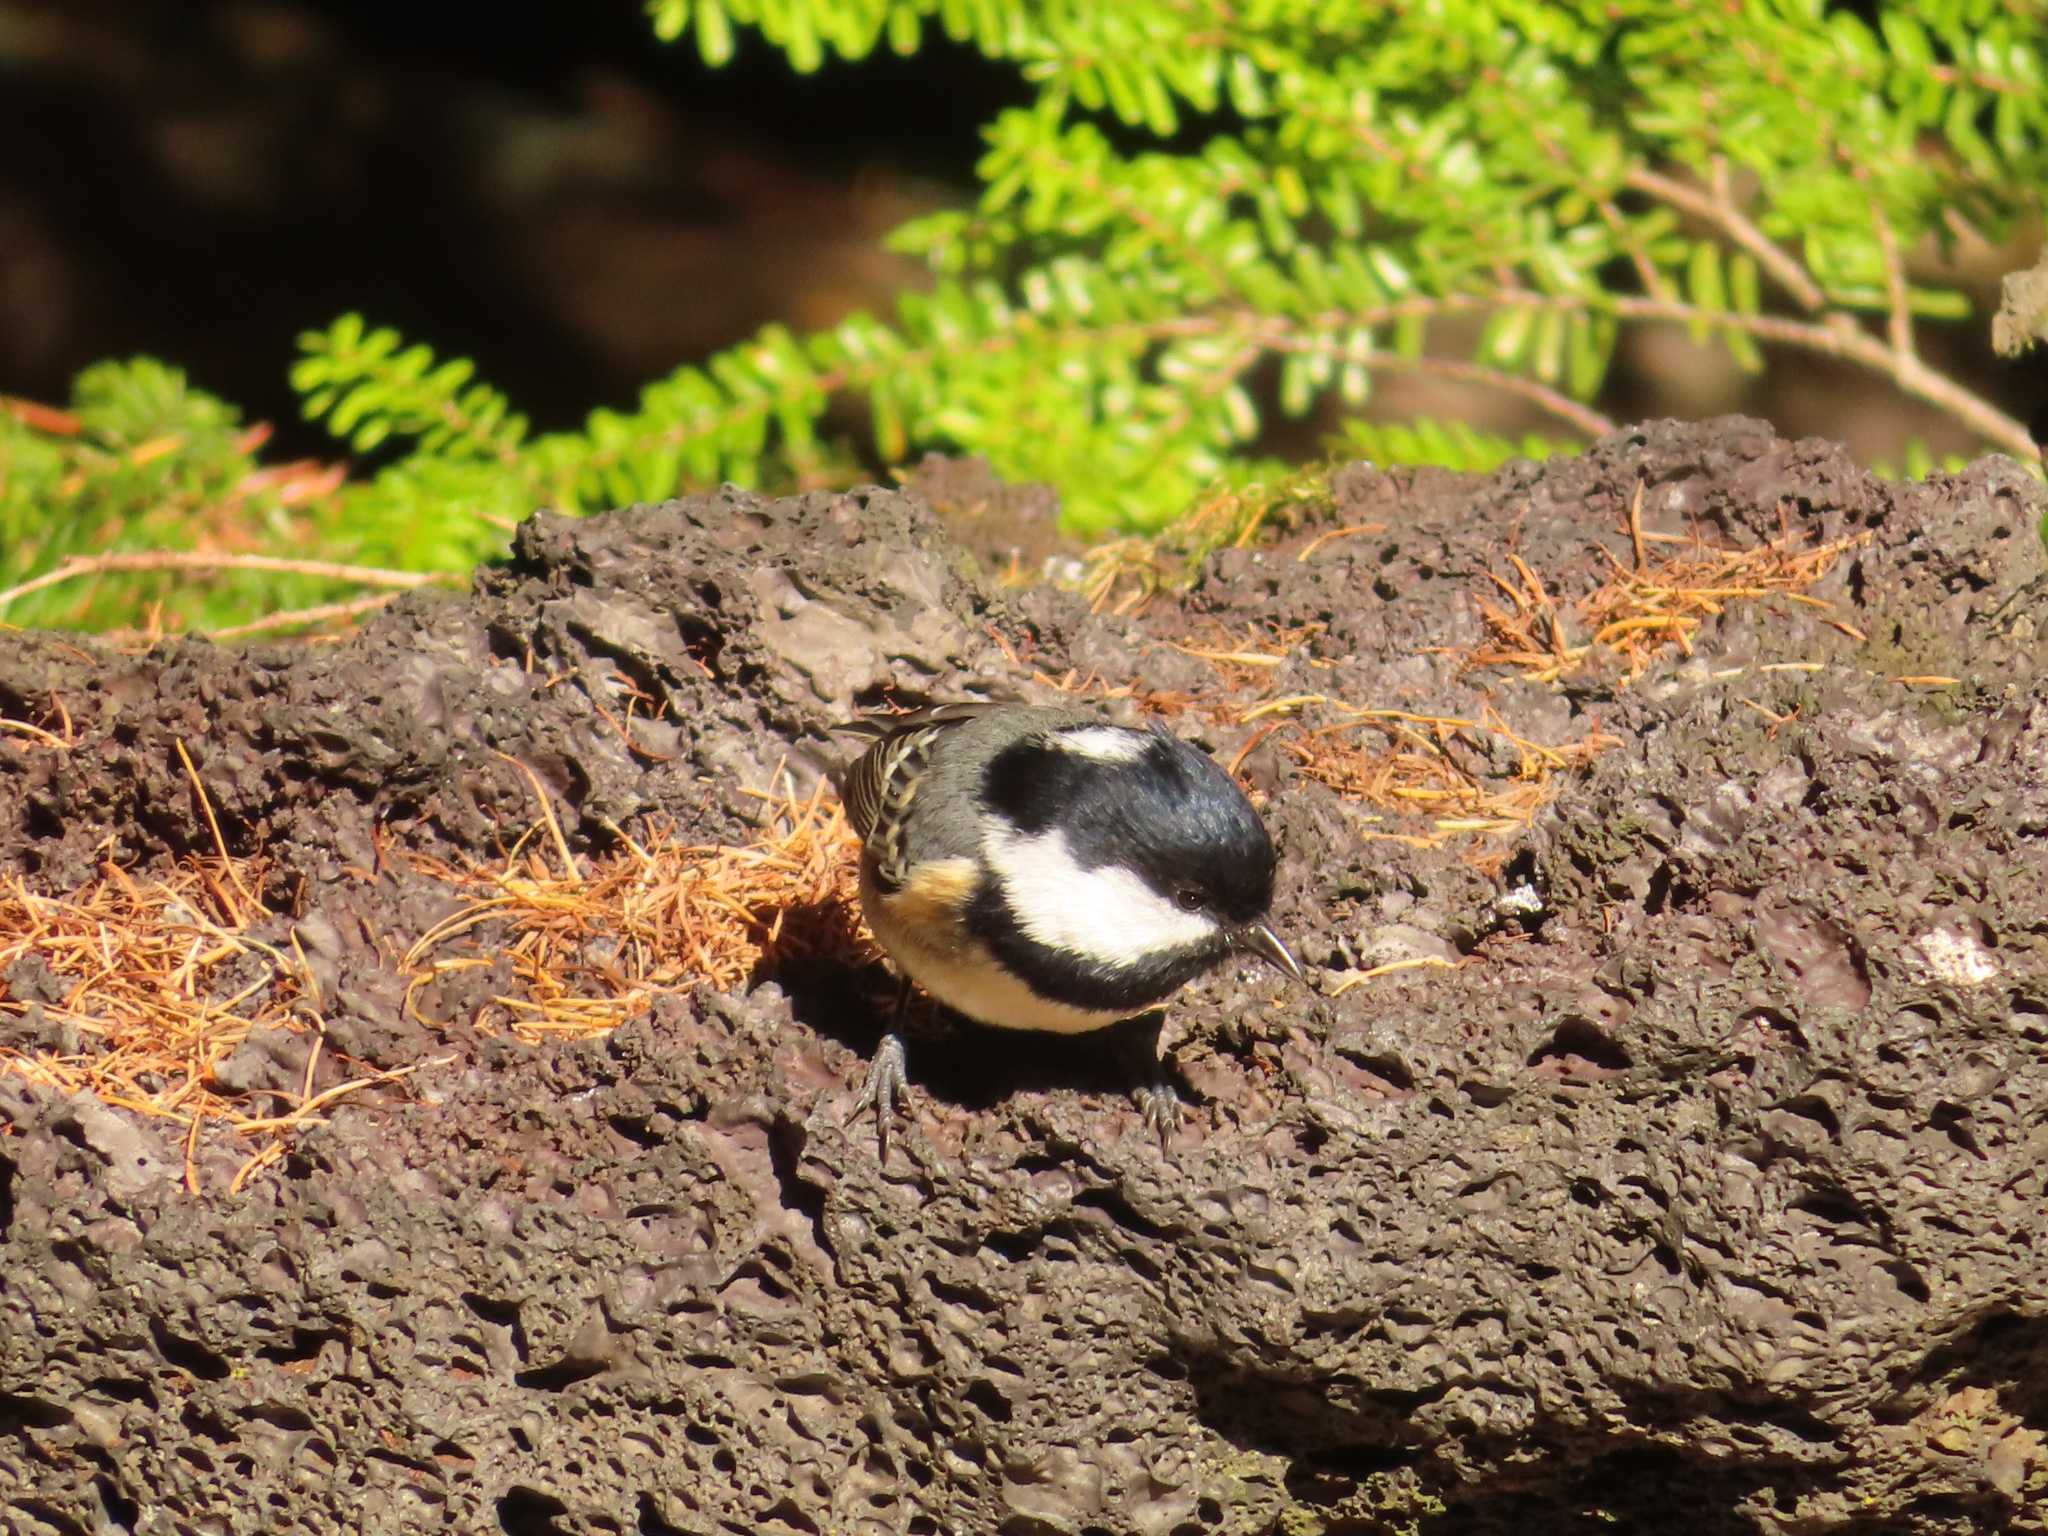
point(861, 790)
point(882, 727)
point(878, 788)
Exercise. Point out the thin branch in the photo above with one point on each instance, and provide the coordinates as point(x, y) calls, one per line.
point(288, 618)
point(1271, 334)
point(1898, 310)
point(43, 418)
point(1582, 418)
point(182, 560)
point(1718, 208)
point(1834, 335)
point(1913, 377)
point(1654, 282)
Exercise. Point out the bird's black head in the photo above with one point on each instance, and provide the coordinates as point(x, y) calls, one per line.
point(1125, 862)
point(1143, 801)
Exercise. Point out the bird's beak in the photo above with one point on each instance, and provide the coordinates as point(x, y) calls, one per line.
point(1265, 943)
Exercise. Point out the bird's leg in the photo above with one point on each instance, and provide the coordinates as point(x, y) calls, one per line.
point(1137, 1042)
point(887, 1080)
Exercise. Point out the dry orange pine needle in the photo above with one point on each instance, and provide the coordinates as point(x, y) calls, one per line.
point(1651, 606)
point(1443, 768)
point(593, 949)
point(158, 987)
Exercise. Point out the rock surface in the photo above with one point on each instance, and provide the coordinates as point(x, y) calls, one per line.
point(1704, 1193)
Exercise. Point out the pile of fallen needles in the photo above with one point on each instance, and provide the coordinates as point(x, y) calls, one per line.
point(1651, 605)
point(140, 989)
point(1463, 775)
point(591, 948)
point(137, 990)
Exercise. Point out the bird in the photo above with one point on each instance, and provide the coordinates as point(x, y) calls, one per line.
point(1039, 868)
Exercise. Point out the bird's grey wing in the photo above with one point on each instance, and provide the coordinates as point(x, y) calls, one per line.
point(896, 743)
point(878, 788)
point(860, 789)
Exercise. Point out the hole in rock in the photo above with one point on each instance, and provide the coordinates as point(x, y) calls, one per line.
point(305, 1346)
point(1581, 1039)
point(18, 1412)
point(187, 1354)
point(529, 1512)
point(991, 1402)
point(652, 1522)
point(565, 1372)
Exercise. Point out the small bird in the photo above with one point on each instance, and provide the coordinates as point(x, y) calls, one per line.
point(1038, 868)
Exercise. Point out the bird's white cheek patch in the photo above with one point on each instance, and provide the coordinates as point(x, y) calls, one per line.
point(1105, 914)
point(1104, 743)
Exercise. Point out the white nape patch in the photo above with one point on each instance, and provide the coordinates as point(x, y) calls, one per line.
point(1107, 914)
point(1104, 743)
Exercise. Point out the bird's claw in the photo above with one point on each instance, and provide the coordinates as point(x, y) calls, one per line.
point(887, 1081)
point(1160, 1106)
point(1136, 1040)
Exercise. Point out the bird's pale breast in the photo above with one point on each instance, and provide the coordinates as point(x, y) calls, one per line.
point(920, 926)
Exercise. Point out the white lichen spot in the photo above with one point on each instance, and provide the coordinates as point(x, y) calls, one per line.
point(1956, 957)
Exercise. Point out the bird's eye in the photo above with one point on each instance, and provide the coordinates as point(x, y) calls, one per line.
point(1189, 899)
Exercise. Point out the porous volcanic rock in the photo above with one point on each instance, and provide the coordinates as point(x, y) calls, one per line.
point(1699, 1190)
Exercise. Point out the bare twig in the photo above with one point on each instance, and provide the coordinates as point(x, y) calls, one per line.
point(1834, 335)
point(323, 614)
point(1898, 310)
point(1914, 377)
point(1718, 208)
point(1654, 282)
point(1581, 418)
point(184, 560)
point(43, 418)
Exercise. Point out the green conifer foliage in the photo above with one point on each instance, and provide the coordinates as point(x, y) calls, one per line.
point(1218, 210)
point(1344, 181)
